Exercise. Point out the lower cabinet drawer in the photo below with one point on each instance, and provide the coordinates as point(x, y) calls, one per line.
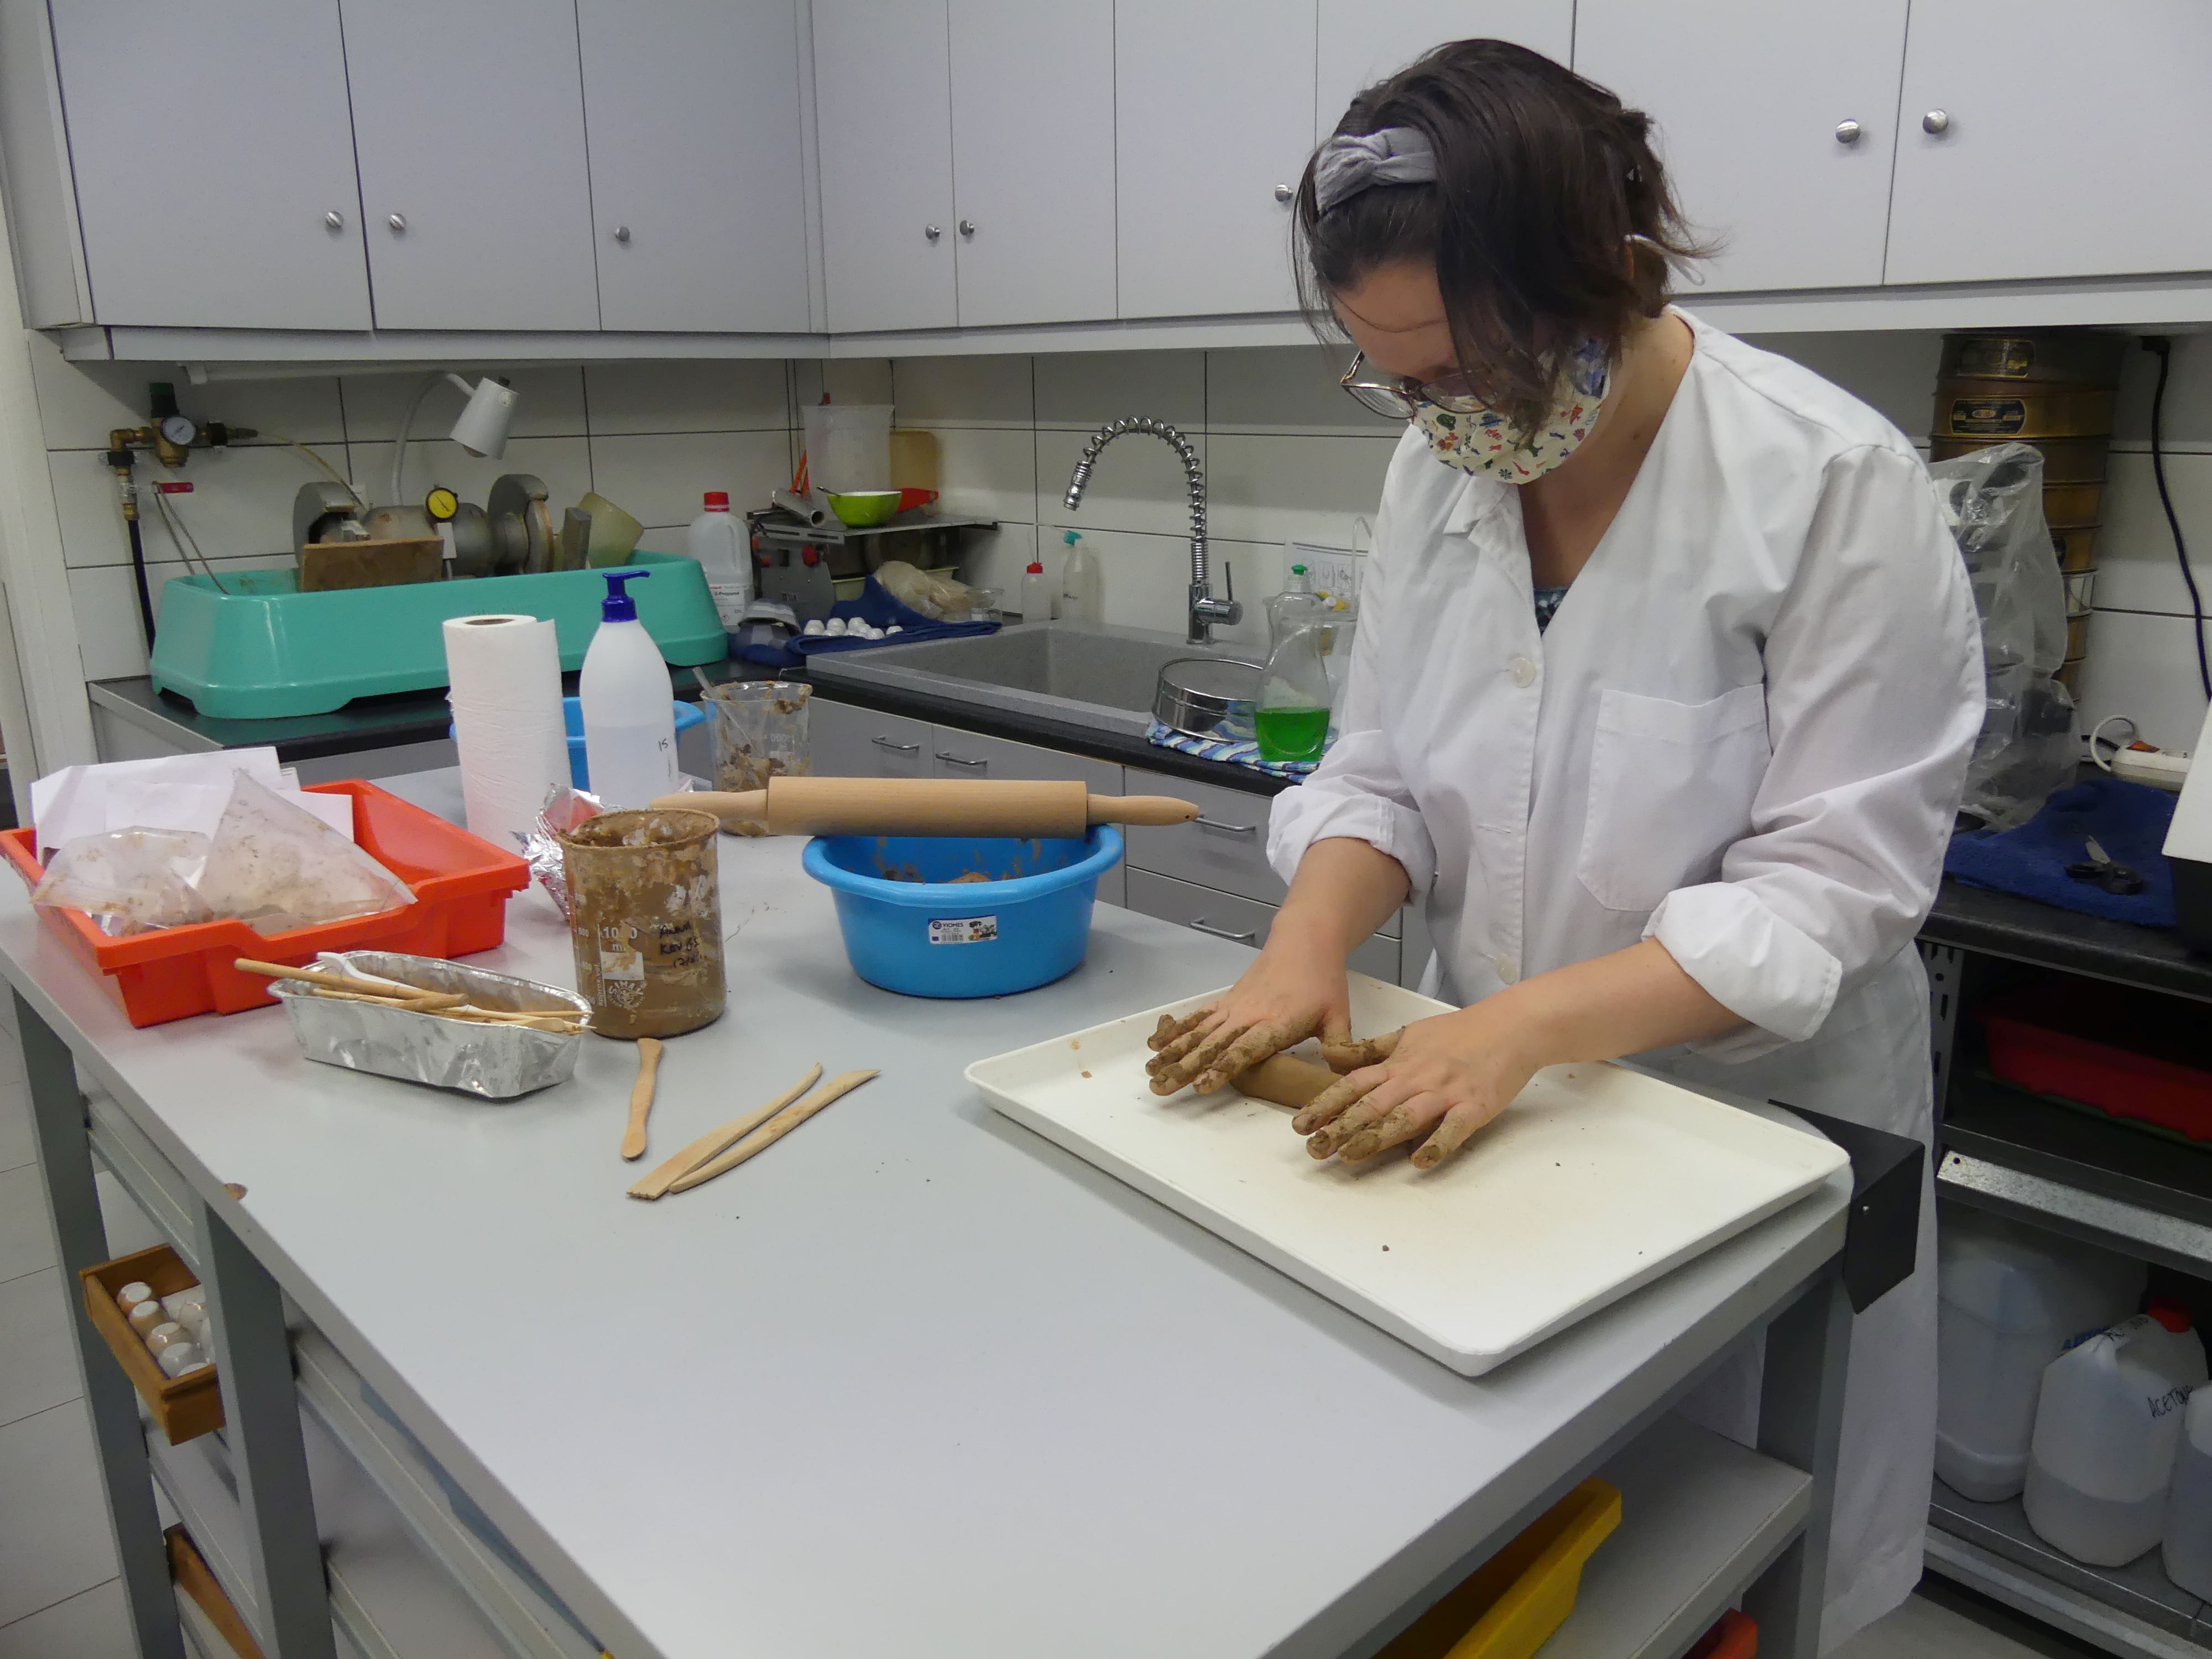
point(1246, 921)
point(1225, 849)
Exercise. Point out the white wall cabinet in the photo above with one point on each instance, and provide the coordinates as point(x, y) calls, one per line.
point(1361, 43)
point(882, 113)
point(1033, 161)
point(469, 129)
point(2042, 140)
point(1213, 109)
point(697, 182)
point(214, 170)
point(1791, 166)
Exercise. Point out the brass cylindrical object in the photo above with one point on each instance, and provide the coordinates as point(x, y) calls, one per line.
point(2075, 357)
point(646, 920)
point(2003, 408)
point(2076, 546)
point(2065, 460)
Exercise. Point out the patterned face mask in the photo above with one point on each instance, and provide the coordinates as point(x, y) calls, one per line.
point(1488, 442)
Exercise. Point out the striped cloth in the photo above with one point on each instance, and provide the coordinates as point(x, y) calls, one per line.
point(1233, 751)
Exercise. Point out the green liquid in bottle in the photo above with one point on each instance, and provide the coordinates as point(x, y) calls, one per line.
point(1291, 734)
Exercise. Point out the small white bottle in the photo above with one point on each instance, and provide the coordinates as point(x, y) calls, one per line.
point(718, 542)
point(1082, 583)
point(1036, 594)
point(629, 705)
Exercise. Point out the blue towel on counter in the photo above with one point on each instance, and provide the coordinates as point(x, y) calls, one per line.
point(1231, 751)
point(875, 607)
point(2129, 822)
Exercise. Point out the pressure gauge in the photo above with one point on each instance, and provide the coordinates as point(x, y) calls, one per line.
point(441, 504)
point(179, 429)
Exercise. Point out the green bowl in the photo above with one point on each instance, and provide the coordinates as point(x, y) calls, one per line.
point(863, 509)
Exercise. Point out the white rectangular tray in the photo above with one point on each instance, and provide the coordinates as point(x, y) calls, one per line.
point(1596, 1181)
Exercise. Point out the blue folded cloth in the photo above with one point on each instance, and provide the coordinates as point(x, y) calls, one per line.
point(875, 607)
point(1228, 749)
point(2130, 821)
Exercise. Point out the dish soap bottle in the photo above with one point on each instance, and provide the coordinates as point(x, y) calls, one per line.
point(1291, 721)
point(718, 542)
point(1082, 583)
point(1036, 594)
point(1297, 606)
point(628, 705)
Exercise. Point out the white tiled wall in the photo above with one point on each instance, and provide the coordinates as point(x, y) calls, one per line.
point(1286, 456)
point(650, 436)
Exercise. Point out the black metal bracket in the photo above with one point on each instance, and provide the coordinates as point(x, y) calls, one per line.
point(1881, 1235)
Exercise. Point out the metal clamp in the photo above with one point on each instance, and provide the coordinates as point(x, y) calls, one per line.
point(896, 748)
point(1200, 925)
point(954, 760)
point(1205, 822)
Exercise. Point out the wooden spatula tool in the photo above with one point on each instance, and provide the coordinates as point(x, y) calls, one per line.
point(932, 806)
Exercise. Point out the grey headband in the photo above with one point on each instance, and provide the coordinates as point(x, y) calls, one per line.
point(1351, 162)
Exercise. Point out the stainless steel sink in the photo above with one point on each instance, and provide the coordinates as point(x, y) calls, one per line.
point(1074, 672)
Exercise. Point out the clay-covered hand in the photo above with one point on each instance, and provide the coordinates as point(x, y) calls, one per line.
point(1278, 1004)
point(1445, 1077)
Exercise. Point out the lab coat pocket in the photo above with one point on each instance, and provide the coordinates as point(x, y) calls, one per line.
point(1671, 785)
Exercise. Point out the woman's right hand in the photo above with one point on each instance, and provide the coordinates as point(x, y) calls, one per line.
point(1293, 992)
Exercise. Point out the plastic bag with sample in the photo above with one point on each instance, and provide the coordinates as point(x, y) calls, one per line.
point(277, 867)
point(1992, 500)
point(127, 881)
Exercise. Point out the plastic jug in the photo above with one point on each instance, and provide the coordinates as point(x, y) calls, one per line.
point(2010, 1299)
point(719, 542)
point(2187, 1547)
point(1038, 594)
point(2108, 1427)
point(628, 703)
point(1082, 583)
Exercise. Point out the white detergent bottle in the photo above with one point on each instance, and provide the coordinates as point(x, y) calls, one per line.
point(717, 541)
point(2187, 1547)
point(1036, 594)
point(629, 704)
point(2009, 1300)
point(1082, 583)
point(2108, 1427)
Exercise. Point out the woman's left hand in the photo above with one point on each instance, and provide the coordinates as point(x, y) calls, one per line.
point(1449, 1074)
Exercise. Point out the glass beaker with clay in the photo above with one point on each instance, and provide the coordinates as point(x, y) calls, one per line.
point(646, 920)
point(1292, 720)
point(760, 732)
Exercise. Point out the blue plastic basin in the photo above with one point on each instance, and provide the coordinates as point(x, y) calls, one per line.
point(937, 937)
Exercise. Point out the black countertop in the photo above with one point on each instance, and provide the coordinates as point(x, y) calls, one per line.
point(1970, 917)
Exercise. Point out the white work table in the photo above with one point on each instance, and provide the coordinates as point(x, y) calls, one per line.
point(917, 1382)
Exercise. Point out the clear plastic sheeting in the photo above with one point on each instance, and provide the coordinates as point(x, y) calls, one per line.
point(129, 881)
point(1992, 500)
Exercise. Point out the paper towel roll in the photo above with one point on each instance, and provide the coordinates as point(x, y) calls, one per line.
point(505, 679)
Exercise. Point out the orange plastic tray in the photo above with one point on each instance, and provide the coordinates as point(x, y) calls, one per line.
point(461, 887)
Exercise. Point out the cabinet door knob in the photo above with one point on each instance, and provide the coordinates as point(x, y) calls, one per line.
point(622, 233)
point(1284, 193)
point(931, 232)
point(1935, 121)
point(1849, 132)
point(398, 222)
point(967, 227)
point(334, 220)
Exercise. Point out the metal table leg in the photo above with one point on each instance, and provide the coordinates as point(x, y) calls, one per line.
point(261, 1418)
point(1801, 1422)
point(64, 1151)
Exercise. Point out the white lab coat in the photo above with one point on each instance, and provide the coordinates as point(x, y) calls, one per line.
point(1744, 735)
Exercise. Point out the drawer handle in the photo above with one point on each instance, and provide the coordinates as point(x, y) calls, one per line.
point(896, 748)
point(1205, 822)
point(954, 760)
point(1223, 932)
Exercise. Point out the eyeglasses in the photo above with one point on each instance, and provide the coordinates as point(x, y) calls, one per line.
point(1399, 396)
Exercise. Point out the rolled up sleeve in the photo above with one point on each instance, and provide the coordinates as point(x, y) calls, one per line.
point(1875, 697)
point(1358, 792)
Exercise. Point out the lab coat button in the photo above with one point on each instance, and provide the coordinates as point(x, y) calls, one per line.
point(1508, 969)
point(1523, 671)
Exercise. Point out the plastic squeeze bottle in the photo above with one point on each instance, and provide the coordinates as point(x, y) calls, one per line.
point(1036, 594)
point(629, 704)
point(718, 542)
point(1082, 583)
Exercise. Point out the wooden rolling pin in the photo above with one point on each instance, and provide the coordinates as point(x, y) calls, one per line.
point(931, 806)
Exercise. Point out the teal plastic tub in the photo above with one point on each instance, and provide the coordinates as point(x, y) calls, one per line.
point(933, 935)
point(258, 648)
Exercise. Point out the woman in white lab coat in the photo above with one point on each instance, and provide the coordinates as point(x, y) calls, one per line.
point(1665, 681)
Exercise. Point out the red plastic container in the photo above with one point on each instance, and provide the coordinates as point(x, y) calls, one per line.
point(2116, 1050)
point(461, 887)
point(1735, 1638)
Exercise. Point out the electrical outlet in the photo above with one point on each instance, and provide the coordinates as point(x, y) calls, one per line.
point(1333, 570)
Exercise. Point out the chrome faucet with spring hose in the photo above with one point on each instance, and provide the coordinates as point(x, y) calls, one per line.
point(1206, 611)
